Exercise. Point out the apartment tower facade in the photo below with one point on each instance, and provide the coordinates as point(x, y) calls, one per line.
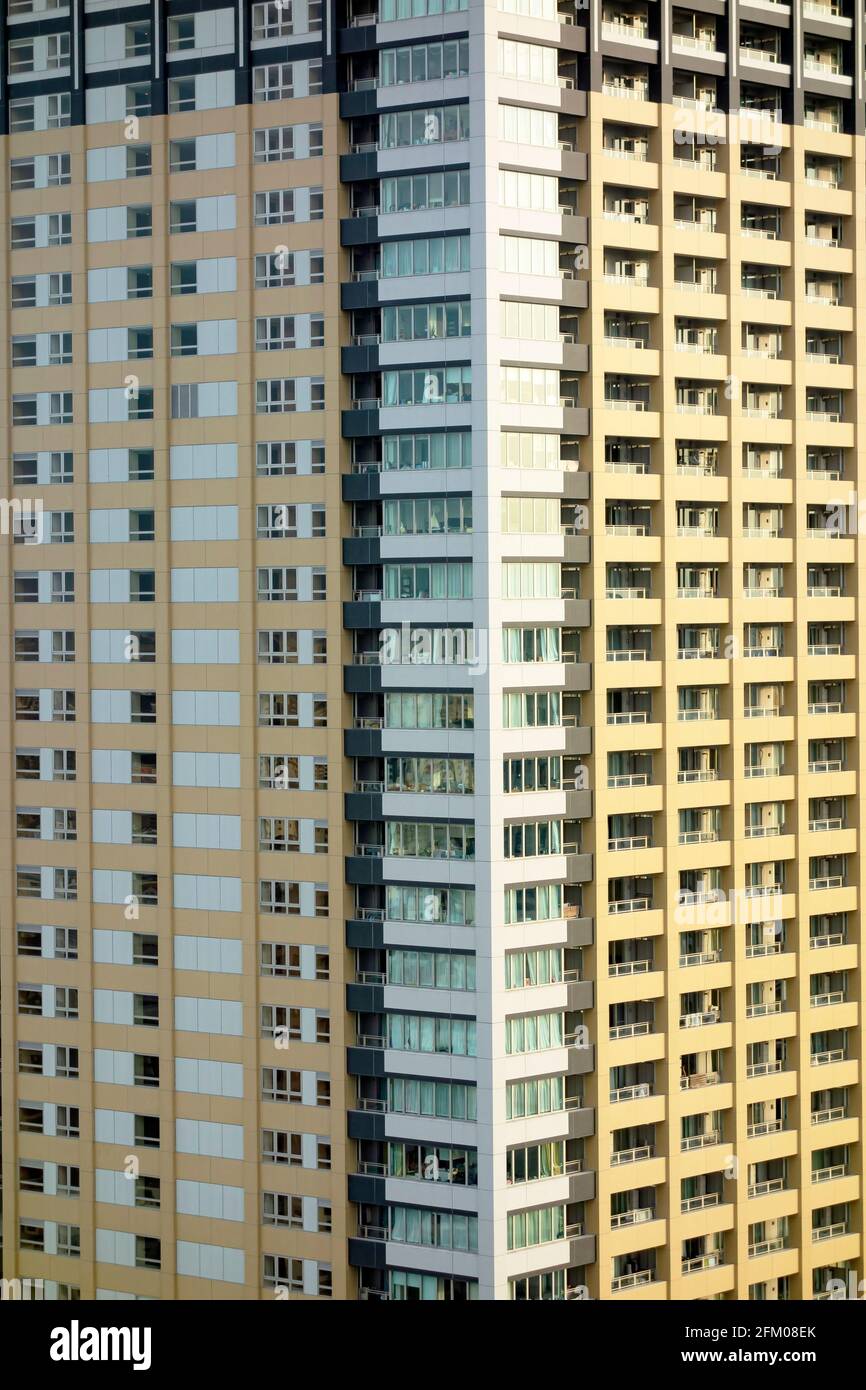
point(439, 422)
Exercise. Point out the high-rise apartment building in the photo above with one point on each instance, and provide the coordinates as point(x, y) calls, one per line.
point(431, 456)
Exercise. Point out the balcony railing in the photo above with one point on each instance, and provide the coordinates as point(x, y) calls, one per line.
point(765, 1007)
point(758, 55)
point(819, 11)
point(711, 1260)
point(617, 341)
point(826, 1059)
point(631, 1281)
point(763, 1068)
point(614, 152)
point(629, 967)
point(620, 31)
point(823, 1001)
point(822, 67)
point(629, 466)
point(373, 1170)
point(632, 1218)
point(371, 1232)
point(700, 1141)
point(624, 91)
point(699, 43)
point(766, 1247)
point(838, 1228)
point(371, 1104)
point(636, 1155)
point(765, 1127)
point(763, 948)
point(700, 957)
point(638, 1029)
point(826, 1117)
point(697, 1080)
point(837, 1170)
point(706, 1199)
point(760, 1189)
point(641, 1091)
